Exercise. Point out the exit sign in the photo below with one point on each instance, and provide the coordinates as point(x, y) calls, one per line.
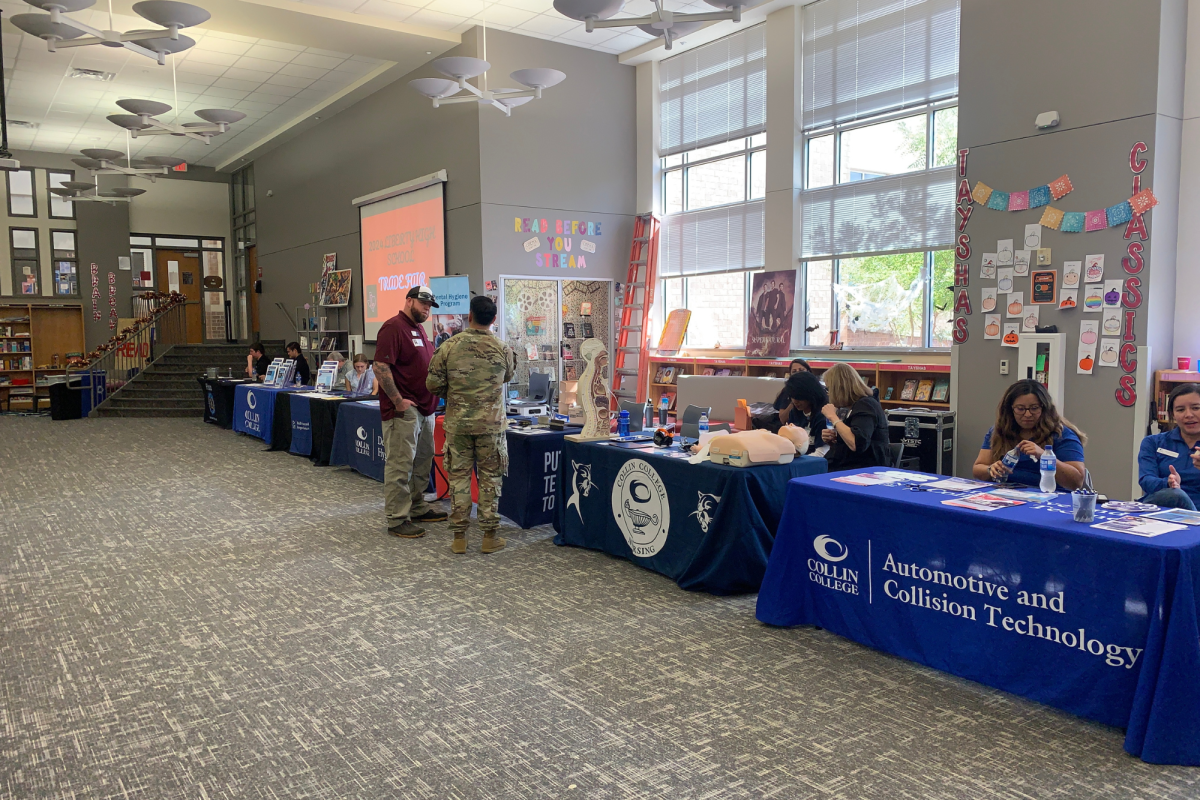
point(180, 167)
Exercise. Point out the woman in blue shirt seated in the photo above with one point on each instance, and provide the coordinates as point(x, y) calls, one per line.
point(1168, 462)
point(1027, 419)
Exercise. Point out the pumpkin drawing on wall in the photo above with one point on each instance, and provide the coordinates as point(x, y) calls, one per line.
point(992, 329)
point(1085, 363)
point(1015, 308)
point(1068, 302)
point(1011, 338)
point(1088, 337)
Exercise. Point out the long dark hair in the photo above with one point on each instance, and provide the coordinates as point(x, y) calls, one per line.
point(1006, 433)
point(802, 363)
point(805, 386)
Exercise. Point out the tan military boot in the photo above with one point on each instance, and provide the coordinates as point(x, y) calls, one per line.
point(459, 545)
point(492, 542)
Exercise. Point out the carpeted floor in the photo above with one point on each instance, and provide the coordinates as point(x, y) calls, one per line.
point(183, 615)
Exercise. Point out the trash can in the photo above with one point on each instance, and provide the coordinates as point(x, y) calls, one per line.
point(66, 400)
point(927, 435)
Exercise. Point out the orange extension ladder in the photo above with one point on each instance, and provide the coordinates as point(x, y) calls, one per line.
point(633, 335)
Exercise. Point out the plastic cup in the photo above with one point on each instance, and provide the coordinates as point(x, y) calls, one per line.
point(1184, 363)
point(1083, 504)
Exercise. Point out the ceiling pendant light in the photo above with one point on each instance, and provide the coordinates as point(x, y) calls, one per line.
point(667, 25)
point(140, 121)
point(104, 162)
point(61, 31)
point(462, 68)
point(75, 192)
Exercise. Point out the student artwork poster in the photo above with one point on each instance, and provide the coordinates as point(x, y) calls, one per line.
point(772, 298)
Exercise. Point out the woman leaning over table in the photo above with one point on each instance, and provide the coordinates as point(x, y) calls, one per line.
point(861, 440)
point(1167, 462)
point(1027, 419)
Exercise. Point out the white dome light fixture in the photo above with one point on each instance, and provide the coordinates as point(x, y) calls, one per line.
point(140, 121)
point(460, 69)
point(667, 25)
point(101, 161)
point(81, 191)
point(62, 31)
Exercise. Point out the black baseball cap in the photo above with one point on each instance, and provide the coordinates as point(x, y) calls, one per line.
point(423, 293)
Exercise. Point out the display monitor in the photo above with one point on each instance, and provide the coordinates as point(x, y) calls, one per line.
point(403, 245)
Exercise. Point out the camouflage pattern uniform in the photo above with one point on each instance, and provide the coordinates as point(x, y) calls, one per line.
point(469, 370)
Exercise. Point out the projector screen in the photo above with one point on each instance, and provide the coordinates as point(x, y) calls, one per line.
point(403, 245)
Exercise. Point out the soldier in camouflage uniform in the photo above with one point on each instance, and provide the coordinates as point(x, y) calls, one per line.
point(469, 370)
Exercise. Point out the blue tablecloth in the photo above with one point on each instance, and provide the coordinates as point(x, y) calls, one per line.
point(254, 409)
point(707, 527)
point(530, 490)
point(1101, 624)
point(301, 426)
point(358, 440)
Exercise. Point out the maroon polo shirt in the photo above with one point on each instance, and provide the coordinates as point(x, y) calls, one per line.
point(403, 345)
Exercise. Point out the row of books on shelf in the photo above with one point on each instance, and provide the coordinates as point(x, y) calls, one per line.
point(13, 346)
point(22, 362)
point(5, 322)
point(8, 330)
point(668, 376)
point(923, 390)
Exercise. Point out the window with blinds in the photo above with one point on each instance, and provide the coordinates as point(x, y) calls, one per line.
point(880, 118)
point(714, 93)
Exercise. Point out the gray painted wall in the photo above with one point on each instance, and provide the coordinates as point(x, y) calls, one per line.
point(1101, 121)
point(391, 137)
point(570, 155)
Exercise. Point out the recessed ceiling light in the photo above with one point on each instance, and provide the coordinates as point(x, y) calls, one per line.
point(428, 52)
point(91, 74)
point(20, 123)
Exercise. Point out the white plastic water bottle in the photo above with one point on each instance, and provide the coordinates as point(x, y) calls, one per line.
point(663, 407)
point(703, 424)
point(1011, 458)
point(1048, 466)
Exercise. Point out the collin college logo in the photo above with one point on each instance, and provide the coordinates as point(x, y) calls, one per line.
point(362, 447)
point(639, 503)
point(827, 570)
point(251, 400)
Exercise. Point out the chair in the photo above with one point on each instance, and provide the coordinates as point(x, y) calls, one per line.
point(689, 423)
point(899, 461)
point(637, 414)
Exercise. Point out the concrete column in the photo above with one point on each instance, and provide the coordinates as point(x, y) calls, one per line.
point(784, 141)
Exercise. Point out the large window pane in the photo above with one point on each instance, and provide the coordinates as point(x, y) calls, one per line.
point(63, 243)
point(888, 148)
point(718, 306)
point(945, 137)
point(60, 207)
point(214, 315)
point(943, 298)
point(716, 150)
point(673, 192)
point(717, 183)
point(881, 300)
point(758, 174)
point(818, 301)
point(214, 265)
point(20, 193)
point(820, 161)
point(672, 161)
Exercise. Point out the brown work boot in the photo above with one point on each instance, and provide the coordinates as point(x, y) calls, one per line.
point(459, 545)
point(492, 542)
point(407, 530)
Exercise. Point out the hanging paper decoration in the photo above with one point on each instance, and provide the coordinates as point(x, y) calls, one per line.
point(1070, 221)
point(1051, 218)
point(1060, 187)
point(1073, 222)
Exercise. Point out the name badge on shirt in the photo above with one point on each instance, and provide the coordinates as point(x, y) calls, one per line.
point(1167, 452)
point(417, 342)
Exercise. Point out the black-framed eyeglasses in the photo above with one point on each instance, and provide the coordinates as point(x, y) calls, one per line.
point(1022, 410)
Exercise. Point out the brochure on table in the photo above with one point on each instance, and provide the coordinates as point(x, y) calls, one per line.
point(272, 371)
point(286, 374)
point(327, 376)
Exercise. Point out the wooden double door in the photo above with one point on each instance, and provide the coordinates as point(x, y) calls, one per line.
point(181, 271)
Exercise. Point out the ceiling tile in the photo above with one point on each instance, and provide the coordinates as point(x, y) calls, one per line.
point(258, 64)
point(387, 10)
point(547, 24)
point(316, 60)
point(536, 6)
point(435, 19)
point(193, 68)
point(625, 42)
point(596, 37)
point(295, 48)
point(289, 81)
point(231, 83)
point(270, 53)
point(331, 53)
point(251, 75)
point(458, 8)
point(210, 57)
point(227, 93)
point(298, 71)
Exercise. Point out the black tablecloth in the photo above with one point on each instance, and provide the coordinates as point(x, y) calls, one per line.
point(323, 413)
point(218, 400)
point(281, 424)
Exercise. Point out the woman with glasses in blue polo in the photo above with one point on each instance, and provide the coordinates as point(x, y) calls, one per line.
point(1027, 420)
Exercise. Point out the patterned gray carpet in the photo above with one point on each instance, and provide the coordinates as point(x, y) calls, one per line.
point(183, 615)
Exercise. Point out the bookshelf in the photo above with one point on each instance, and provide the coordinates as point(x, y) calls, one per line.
point(882, 374)
point(1164, 381)
point(31, 335)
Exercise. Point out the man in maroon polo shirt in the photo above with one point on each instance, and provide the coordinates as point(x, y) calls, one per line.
point(402, 354)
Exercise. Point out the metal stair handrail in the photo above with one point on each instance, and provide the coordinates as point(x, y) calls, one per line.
point(162, 324)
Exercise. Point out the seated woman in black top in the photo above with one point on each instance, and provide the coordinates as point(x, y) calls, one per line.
point(805, 398)
point(303, 371)
point(788, 412)
point(861, 440)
